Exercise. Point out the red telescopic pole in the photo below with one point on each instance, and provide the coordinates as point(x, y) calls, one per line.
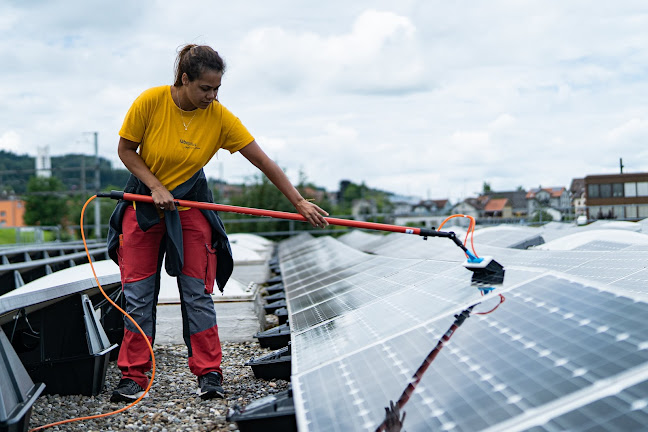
point(265, 213)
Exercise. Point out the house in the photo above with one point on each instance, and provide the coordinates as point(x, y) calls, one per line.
point(402, 204)
point(435, 207)
point(422, 213)
point(470, 207)
point(362, 208)
point(401, 207)
point(577, 196)
point(556, 198)
point(617, 196)
point(517, 200)
point(318, 195)
point(498, 207)
point(12, 212)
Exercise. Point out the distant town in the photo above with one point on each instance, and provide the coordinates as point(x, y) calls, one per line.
point(622, 196)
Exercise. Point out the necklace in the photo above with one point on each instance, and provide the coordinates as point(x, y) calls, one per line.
point(186, 125)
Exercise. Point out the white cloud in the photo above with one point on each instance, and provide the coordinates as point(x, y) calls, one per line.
point(337, 131)
point(632, 129)
point(469, 141)
point(271, 145)
point(379, 54)
point(10, 141)
point(503, 121)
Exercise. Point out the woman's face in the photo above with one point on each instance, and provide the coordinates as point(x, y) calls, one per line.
point(202, 91)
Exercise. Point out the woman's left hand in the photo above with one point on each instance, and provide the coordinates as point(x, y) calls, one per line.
point(313, 213)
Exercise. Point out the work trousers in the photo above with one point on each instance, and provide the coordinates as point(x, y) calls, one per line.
point(140, 259)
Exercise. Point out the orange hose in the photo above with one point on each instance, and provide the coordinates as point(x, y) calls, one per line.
point(127, 316)
point(470, 232)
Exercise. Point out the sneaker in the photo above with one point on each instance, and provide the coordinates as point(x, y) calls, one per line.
point(127, 391)
point(209, 386)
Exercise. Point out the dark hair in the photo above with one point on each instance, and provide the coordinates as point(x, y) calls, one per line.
point(194, 59)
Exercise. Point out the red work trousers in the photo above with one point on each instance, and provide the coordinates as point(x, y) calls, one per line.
point(140, 258)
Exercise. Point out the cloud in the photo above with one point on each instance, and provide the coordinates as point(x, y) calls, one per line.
point(502, 122)
point(271, 145)
point(380, 54)
point(635, 128)
point(10, 141)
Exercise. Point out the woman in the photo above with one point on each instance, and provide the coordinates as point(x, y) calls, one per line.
point(177, 129)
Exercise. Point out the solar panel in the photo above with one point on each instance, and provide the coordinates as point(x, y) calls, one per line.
point(509, 236)
point(623, 411)
point(359, 239)
point(363, 324)
point(620, 268)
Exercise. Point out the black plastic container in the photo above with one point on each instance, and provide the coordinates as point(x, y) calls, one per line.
point(274, 413)
point(112, 320)
point(274, 338)
point(282, 314)
point(273, 306)
point(274, 279)
point(273, 289)
point(273, 365)
point(65, 346)
point(17, 392)
point(274, 297)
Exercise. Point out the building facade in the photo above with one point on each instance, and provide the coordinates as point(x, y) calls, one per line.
point(11, 213)
point(541, 198)
point(617, 196)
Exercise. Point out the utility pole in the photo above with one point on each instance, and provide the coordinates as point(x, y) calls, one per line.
point(621, 164)
point(97, 188)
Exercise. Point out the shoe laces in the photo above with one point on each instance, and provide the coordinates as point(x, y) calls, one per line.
point(129, 384)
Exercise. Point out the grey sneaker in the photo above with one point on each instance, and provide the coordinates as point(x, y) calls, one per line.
point(127, 391)
point(210, 386)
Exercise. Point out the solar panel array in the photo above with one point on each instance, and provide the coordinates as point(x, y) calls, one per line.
point(563, 352)
point(624, 268)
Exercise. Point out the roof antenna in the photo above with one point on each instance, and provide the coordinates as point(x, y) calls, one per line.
point(621, 164)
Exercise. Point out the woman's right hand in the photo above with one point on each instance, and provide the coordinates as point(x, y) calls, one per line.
point(162, 198)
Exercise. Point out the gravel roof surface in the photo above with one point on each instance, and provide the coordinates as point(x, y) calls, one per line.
point(172, 404)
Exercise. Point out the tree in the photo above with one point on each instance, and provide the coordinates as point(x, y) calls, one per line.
point(261, 194)
point(541, 216)
point(486, 188)
point(44, 204)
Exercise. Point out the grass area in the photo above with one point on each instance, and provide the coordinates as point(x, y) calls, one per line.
point(8, 236)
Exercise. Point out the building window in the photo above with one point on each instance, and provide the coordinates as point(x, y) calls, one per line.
point(642, 189)
point(630, 189)
point(3, 213)
point(606, 190)
point(617, 190)
point(631, 211)
point(642, 211)
point(593, 191)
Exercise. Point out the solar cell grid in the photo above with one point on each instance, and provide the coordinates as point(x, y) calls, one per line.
point(601, 246)
point(541, 339)
point(363, 334)
point(346, 270)
point(624, 269)
point(610, 414)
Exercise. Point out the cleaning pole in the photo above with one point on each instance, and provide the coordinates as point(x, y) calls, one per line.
point(485, 269)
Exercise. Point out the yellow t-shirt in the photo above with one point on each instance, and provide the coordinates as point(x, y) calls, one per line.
point(172, 153)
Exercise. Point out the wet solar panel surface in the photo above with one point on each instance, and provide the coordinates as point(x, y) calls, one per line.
point(363, 324)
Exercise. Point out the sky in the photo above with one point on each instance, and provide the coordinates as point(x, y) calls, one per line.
point(424, 98)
